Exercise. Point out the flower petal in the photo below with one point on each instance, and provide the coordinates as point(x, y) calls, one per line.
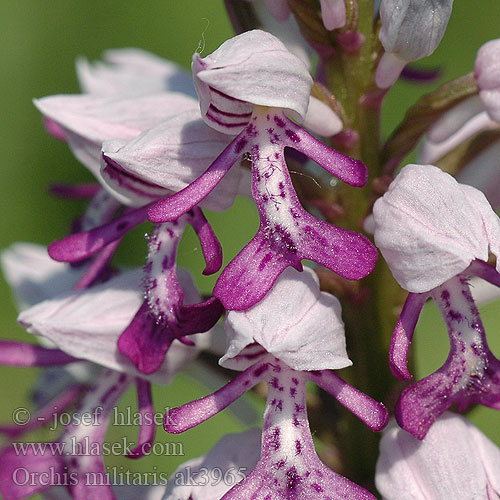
point(333, 13)
point(487, 74)
point(235, 454)
point(430, 228)
point(87, 120)
point(132, 71)
point(170, 155)
point(254, 68)
point(455, 460)
point(295, 322)
point(88, 323)
point(33, 275)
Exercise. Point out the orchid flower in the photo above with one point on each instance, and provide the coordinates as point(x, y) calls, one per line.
point(467, 119)
point(243, 87)
point(167, 312)
point(473, 114)
point(287, 350)
point(87, 323)
point(434, 234)
point(454, 460)
point(89, 120)
point(403, 36)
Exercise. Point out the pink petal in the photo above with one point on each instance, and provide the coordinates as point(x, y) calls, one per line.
point(236, 454)
point(33, 275)
point(454, 460)
point(88, 323)
point(333, 13)
point(132, 71)
point(305, 330)
point(170, 156)
point(87, 120)
point(430, 228)
point(255, 68)
point(487, 74)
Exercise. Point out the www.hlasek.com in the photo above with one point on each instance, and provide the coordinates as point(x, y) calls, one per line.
point(86, 447)
point(119, 476)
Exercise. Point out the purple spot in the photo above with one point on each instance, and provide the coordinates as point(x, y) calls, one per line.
point(251, 130)
point(170, 233)
point(165, 262)
point(154, 283)
point(317, 487)
point(275, 439)
point(455, 315)
point(292, 478)
point(292, 135)
point(298, 447)
point(296, 421)
point(279, 406)
point(299, 408)
point(293, 392)
point(280, 464)
point(267, 258)
point(279, 122)
point(295, 381)
point(240, 145)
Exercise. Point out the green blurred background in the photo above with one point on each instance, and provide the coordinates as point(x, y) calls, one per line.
point(40, 40)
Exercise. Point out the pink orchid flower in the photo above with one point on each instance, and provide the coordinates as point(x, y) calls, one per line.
point(268, 345)
point(435, 234)
point(244, 88)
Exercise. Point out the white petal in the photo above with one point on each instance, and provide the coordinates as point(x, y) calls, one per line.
point(171, 155)
point(87, 325)
point(33, 275)
point(295, 322)
point(433, 149)
point(429, 228)
point(454, 460)
point(321, 119)
point(132, 71)
point(235, 455)
point(88, 121)
point(254, 67)
point(454, 119)
point(487, 73)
